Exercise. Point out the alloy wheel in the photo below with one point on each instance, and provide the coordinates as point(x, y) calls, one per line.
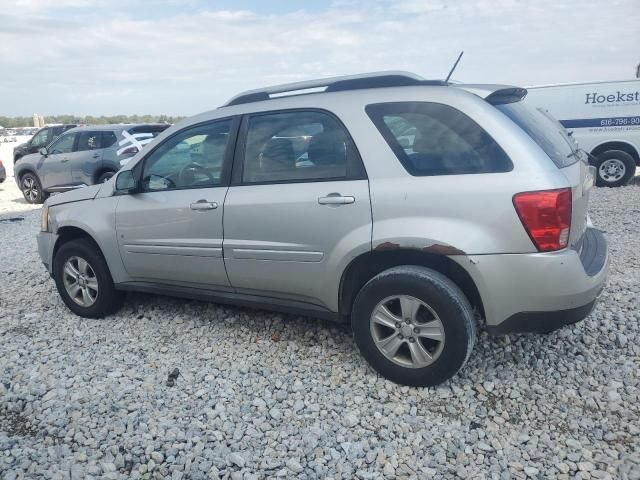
point(30, 188)
point(407, 331)
point(80, 281)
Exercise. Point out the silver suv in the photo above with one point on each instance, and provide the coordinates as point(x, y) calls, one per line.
point(410, 208)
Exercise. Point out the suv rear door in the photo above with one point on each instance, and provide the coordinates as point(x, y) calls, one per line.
point(299, 192)
point(170, 231)
point(85, 159)
point(54, 169)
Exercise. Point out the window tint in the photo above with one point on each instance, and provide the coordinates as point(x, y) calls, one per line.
point(298, 146)
point(435, 139)
point(63, 144)
point(549, 136)
point(192, 158)
point(40, 138)
point(108, 139)
point(88, 141)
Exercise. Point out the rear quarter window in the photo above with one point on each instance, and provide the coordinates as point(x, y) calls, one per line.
point(436, 139)
point(544, 130)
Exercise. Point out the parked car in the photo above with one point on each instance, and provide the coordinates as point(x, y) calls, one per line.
point(82, 156)
point(604, 118)
point(419, 207)
point(41, 138)
point(3, 172)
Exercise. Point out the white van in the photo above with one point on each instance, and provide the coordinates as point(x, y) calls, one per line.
point(604, 118)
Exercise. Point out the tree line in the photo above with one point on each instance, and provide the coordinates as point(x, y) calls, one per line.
point(17, 122)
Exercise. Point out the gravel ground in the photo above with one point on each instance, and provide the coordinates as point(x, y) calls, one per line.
point(268, 395)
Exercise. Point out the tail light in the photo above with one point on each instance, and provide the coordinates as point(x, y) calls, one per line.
point(546, 216)
point(130, 151)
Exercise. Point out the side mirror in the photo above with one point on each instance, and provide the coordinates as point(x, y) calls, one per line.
point(43, 152)
point(126, 182)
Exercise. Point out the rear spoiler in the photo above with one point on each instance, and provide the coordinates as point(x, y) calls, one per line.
point(506, 95)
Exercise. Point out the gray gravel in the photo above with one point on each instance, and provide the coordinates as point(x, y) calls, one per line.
point(263, 395)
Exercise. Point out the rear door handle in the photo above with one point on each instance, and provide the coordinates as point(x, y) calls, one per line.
point(336, 199)
point(64, 160)
point(97, 155)
point(204, 205)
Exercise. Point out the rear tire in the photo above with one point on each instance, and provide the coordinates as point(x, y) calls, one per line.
point(104, 176)
point(417, 310)
point(87, 290)
point(32, 188)
point(614, 168)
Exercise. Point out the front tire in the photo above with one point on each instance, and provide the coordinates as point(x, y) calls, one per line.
point(32, 188)
point(84, 281)
point(413, 325)
point(614, 168)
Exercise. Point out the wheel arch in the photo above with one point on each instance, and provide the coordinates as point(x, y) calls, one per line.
point(67, 233)
point(100, 171)
point(624, 146)
point(21, 173)
point(364, 267)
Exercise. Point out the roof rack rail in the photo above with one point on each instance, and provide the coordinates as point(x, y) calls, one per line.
point(334, 84)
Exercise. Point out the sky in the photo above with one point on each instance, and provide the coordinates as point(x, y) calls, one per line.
point(181, 57)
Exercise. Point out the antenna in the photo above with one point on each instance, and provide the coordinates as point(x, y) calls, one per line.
point(454, 66)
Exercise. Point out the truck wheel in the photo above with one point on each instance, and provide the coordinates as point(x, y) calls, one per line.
point(84, 281)
point(413, 325)
point(104, 176)
point(614, 168)
point(32, 188)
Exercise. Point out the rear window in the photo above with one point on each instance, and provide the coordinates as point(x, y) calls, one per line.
point(436, 139)
point(549, 135)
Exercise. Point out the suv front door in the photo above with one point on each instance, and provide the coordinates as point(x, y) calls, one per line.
point(55, 170)
point(171, 231)
point(299, 201)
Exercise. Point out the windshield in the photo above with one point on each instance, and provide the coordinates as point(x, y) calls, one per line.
point(545, 130)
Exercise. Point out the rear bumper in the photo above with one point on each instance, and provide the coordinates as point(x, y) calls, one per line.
point(540, 292)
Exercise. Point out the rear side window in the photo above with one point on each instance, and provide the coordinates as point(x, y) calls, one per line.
point(108, 139)
point(545, 131)
point(88, 141)
point(298, 146)
point(436, 139)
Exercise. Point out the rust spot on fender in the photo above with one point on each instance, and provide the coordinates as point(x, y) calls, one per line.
point(387, 246)
point(443, 250)
point(435, 248)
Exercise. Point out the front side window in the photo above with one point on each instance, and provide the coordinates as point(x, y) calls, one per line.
point(297, 146)
point(190, 159)
point(63, 144)
point(40, 138)
point(88, 141)
point(436, 139)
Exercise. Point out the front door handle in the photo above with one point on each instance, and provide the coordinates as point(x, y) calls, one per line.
point(97, 155)
point(204, 205)
point(64, 160)
point(336, 199)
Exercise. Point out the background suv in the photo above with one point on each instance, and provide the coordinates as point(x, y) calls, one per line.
point(81, 156)
point(408, 207)
point(42, 138)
